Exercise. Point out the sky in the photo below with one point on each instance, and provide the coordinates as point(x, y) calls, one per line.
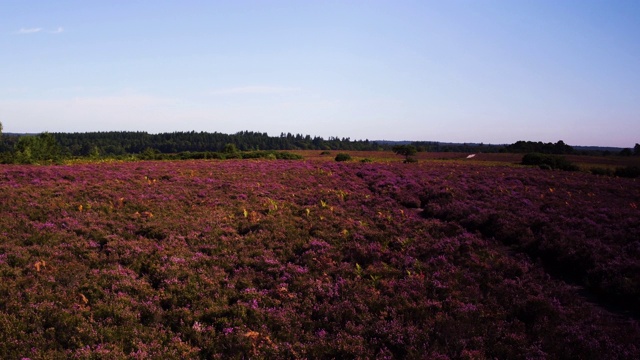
point(453, 71)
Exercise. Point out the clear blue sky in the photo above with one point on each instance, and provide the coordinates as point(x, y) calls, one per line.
point(453, 71)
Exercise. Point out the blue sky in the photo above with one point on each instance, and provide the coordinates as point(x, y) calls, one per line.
point(453, 71)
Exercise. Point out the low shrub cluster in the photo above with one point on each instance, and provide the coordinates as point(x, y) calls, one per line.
point(628, 172)
point(343, 157)
point(547, 161)
point(187, 155)
point(631, 172)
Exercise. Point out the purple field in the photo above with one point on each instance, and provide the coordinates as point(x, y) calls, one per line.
point(317, 259)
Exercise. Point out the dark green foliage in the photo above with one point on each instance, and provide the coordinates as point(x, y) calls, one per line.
point(539, 147)
point(626, 152)
point(405, 150)
point(258, 155)
point(37, 149)
point(628, 172)
point(549, 162)
point(230, 149)
point(149, 154)
point(286, 156)
point(208, 155)
point(434, 146)
point(120, 143)
point(233, 155)
point(343, 157)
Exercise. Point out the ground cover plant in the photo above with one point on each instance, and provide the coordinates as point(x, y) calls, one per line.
point(317, 259)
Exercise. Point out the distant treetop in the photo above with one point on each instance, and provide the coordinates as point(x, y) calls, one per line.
point(539, 147)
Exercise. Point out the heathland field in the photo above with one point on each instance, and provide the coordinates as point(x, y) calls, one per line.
point(277, 259)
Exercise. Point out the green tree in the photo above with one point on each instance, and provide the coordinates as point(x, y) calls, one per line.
point(94, 153)
point(230, 149)
point(561, 148)
point(636, 149)
point(626, 152)
point(37, 149)
point(405, 150)
point(149, 154)
point(1, 130)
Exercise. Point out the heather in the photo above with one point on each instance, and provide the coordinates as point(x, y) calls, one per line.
point(317, 259)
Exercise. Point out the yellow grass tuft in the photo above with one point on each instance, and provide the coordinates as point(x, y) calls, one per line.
point(83, 298)
point(39, 265)
point(252, 334)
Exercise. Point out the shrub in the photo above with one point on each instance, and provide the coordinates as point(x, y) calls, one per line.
point(343, 157)
point(628, 172)
point(271, 155)
point(601, 171)
point(288, 156)
point(235, 155)
point(253, 155)
point(405, 150)
point(42, 148)
point(545, 161)
point(230, 149)
point(149, 154)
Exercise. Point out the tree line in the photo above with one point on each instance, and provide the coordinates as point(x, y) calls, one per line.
point(119, 143)
point(55, 146)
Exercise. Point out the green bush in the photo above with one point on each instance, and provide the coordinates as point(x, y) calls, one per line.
point(253, 155)
point(545, 161)
point(230, 149)
point(287, 156)
point(42, 148)
point(271, 155)
point(628, 172)
point(214, 155)
point(405, 150)
point(149, 154)
point(343, 157)
point(235, 155)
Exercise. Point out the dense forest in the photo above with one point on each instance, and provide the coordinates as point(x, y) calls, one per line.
point(121, 143)
point(23, 148)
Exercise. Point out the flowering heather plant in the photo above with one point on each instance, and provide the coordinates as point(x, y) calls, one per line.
point(273, 259)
